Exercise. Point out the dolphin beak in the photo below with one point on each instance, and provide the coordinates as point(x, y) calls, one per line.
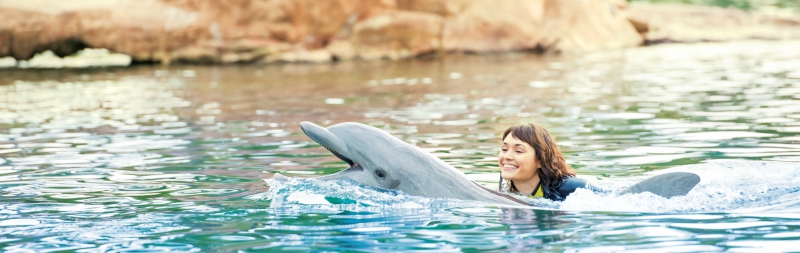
point(326, 139)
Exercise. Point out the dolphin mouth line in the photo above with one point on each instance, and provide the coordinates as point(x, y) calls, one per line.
point(340, 156)
point(353, 165)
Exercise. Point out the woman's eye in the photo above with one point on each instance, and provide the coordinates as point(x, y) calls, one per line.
point(519, 151)
point(504, 149)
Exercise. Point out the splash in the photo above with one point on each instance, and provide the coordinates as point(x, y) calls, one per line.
point(726, 186)
point(304, 195)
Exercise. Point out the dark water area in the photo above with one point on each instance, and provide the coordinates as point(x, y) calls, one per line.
point(179, 158)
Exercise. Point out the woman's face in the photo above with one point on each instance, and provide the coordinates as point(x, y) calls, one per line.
point(517, 160)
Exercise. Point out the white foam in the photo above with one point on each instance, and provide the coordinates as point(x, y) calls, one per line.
point(307, 198)
point(726, 186)
point(301, 195)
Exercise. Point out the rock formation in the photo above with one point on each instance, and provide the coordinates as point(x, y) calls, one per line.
point(234, 31)
point(685, 23)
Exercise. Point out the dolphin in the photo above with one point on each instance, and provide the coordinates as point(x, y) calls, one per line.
point(379, 159)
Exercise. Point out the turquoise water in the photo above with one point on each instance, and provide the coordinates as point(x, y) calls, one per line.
point(180, 158)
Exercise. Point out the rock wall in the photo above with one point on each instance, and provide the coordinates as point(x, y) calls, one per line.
point(684, 23)
point(233, 31)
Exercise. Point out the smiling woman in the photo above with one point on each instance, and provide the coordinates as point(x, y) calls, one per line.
point(531, 164)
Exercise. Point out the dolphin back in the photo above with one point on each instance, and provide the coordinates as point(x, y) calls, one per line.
point(666, 185)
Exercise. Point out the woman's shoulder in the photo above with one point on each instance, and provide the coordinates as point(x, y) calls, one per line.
point(570, 184)
point(565, 186)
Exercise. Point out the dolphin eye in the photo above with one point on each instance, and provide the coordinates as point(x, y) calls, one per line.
point(379, 173)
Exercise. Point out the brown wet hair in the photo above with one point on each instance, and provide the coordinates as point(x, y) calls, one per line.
point(551, 162)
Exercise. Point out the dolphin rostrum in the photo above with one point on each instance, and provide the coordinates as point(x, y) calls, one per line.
point(379, 159)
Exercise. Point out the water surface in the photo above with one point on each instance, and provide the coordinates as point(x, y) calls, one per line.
point(153, 158)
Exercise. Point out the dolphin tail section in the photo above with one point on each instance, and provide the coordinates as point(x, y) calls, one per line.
point(666, 185)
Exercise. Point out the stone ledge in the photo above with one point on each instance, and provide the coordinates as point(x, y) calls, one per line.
point(266, 31)
point(658, 23)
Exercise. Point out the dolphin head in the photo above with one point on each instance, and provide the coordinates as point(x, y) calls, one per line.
point(369, 152)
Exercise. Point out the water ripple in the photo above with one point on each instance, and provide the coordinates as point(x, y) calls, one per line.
point(154, 158)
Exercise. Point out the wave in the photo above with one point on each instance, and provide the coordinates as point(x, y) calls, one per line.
point(726, 186)
point(736, 186)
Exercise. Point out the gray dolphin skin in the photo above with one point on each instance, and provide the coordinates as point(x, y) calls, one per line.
point(666, 185)
point(379, 159)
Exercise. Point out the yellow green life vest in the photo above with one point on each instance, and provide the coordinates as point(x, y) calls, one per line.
point(538, 193)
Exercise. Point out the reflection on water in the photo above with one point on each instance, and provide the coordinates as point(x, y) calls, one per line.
point(172, 158)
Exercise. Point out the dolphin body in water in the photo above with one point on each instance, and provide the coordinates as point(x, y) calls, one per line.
point(379, 159)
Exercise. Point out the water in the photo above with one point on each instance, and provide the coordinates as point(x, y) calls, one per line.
point(153, 158)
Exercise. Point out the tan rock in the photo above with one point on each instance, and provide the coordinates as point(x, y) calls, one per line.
point(144, 28)
point(231, 31)
point(580, 25)
point(24, 33)
point(313, 56)
point(194, 54)
point(684, 23)
point(169, 30)
point(396, 35)
point(556, 25)
point(438, 7)
point(342, 50)
point(306, 22)
point(491, 26)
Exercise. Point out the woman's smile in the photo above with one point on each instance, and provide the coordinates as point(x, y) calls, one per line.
point(507, 166)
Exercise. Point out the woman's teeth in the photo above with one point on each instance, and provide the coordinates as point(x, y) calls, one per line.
point(510, 166)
